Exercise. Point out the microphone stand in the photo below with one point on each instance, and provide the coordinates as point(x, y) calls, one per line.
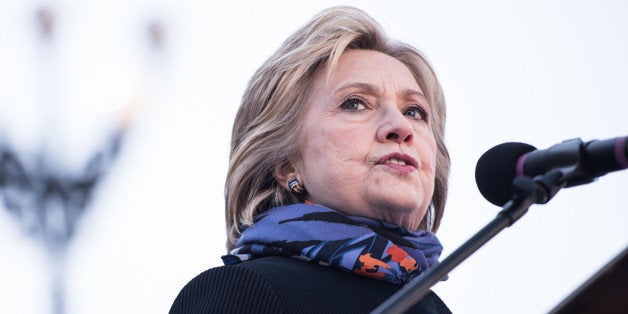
point(527, 191)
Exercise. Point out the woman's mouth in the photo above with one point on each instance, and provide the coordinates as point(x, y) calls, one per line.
point(400, 162)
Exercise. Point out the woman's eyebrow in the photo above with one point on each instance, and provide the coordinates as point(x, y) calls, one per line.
point(374, 90)
point(412, 92)
point(368, 88)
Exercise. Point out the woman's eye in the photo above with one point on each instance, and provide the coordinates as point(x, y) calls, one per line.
point(353, 104)
point(416, 112)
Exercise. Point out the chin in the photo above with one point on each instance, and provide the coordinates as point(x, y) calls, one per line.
point(404, 214)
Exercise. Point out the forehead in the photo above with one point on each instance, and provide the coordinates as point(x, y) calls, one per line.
point(367, 66)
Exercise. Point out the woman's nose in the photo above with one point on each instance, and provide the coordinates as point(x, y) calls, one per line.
point(395, 127)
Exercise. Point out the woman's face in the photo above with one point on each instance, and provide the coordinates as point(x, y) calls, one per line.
point(368, 147)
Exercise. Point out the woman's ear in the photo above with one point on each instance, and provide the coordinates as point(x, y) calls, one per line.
point(284, 173)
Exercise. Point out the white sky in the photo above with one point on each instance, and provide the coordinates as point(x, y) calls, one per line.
point(532, 71)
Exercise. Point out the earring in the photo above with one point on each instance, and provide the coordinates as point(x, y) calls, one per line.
point(295, 186)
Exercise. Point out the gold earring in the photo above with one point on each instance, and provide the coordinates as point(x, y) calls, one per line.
point(295, 186)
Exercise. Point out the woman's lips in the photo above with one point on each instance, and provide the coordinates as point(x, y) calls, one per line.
point(400, 162)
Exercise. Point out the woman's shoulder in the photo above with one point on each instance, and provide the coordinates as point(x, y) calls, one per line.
point(281, 284)
point(227, 289)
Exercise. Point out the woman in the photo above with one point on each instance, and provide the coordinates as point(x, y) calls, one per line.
point(337, 177)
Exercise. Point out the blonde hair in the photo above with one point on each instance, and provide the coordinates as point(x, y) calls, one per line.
point(267, 126)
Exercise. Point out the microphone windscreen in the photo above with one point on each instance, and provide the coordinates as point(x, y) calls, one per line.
point(496, 169)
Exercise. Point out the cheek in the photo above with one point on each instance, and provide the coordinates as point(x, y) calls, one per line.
point(327, 142)
point(329, 154)
point(428, 151)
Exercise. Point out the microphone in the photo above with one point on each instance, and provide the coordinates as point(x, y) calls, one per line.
point(578, 162)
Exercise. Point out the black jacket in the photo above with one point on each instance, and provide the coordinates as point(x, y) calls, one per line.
point(288, 285)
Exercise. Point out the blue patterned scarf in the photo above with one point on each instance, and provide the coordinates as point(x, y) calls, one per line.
point(358, 245)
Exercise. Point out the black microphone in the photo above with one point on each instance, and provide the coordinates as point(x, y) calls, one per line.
point(578, 162)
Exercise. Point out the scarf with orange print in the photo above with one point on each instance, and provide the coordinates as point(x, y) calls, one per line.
point(359, 245)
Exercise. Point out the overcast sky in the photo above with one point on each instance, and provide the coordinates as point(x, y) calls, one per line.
point(532, 71)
